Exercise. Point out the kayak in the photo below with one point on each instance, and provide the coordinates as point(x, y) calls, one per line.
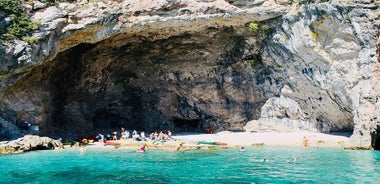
point(114, 143)
point(212, 143)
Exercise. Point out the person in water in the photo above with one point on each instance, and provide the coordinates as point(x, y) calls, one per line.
point(242, 148)
point(142, 148)
point(293, 160)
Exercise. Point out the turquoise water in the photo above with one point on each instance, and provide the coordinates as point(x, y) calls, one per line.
point(313, 165)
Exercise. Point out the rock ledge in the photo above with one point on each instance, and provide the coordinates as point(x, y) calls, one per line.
point(29, 143)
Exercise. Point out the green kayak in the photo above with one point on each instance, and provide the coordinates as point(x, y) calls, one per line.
point(212, 143)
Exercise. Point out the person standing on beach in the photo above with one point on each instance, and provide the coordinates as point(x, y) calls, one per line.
point(114, 135)
point(210, 130)
point(123, 134)
point(135, 135)
point(305, 142)
point(178, 148)
point(169, 134)
point(142, 135)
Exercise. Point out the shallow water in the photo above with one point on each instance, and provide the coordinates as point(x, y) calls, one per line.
point(313, 165)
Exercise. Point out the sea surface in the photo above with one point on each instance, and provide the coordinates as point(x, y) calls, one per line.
point(312, 165)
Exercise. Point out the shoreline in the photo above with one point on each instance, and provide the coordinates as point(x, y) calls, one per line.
point(189, 141)
point(338, 139)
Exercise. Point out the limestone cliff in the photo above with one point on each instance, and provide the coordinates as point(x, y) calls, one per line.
point(185, 65)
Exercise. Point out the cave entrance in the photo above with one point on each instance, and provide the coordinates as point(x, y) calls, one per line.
point(113, 120)
point(376, 138)
point(376, 144)
point(185, 125)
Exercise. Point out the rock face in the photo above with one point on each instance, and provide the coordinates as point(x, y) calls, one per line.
point(8, 130)
point(29, 143)
point(187, 65)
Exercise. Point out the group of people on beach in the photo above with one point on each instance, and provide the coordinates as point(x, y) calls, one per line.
point(115, 138)
point(141, 137)
point(125, 135)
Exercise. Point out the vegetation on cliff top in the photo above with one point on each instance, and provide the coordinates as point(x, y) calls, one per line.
point(311, 1)
point(56, 1)
point(20, 25)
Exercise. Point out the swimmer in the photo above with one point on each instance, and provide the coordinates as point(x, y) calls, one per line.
point(142, 148)
point(258, 160)
point(293, 160)
point(242, 148)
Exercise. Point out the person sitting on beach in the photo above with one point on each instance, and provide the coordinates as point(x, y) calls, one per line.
point(169, 134)
point(84, 141)
point(155, 136)
point(127, 134)
point(166, 137)
point(142, 136)
point(161, 135)
point(114, 135)
point(151, 136)
point(25, 125)
point(135, 135)
point(100, 137)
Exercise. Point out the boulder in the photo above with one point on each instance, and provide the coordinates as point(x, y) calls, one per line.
point(39, 5)
point(29, 143)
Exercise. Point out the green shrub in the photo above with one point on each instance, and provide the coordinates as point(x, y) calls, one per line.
point(322, 1)
point(314, 35)
point(30, 39)
point(311, 1)
point(11, 7)
point(302, 1)
point(52, 2)
point(20, 26)
point(253, 26)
